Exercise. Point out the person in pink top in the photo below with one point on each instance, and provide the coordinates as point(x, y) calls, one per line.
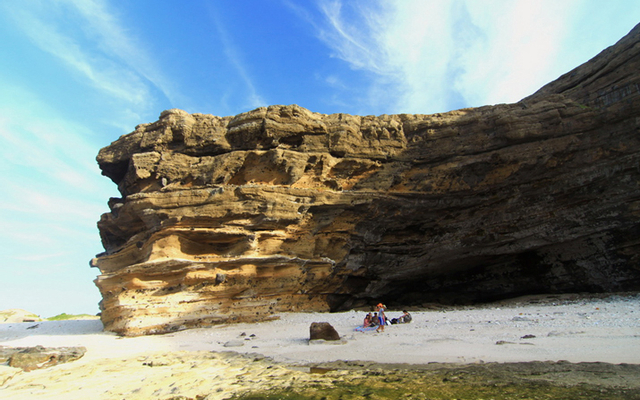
point(367, 321)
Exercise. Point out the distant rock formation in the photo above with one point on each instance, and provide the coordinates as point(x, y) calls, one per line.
point(282, 209)
point(18, 315)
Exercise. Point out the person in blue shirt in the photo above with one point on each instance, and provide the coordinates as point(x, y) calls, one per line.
point(381, 317)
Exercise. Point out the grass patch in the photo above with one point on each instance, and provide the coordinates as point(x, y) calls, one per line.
point(65, 316)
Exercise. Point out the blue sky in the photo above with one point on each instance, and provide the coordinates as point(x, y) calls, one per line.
point(75, 75)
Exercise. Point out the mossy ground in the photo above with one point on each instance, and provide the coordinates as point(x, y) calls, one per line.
point(461, 383)
point(445, 391)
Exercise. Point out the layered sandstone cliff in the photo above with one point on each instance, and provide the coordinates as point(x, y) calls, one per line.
point(280, 208)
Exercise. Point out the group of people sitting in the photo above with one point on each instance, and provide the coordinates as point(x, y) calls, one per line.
point(379, 319)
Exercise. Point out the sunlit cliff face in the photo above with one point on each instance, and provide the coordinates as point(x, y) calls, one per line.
point(282, 209)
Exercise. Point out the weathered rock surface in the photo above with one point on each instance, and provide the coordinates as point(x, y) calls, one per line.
point(31, 358)
point(280, 208)
point(323, 331)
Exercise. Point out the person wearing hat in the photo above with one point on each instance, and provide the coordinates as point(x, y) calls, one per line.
point(381, 317)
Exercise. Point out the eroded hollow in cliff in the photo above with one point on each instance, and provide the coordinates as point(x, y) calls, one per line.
point(214, 243)
point(115, 171)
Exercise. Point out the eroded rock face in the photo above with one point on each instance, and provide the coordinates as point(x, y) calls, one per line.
point(283, 209)
point(32, 358)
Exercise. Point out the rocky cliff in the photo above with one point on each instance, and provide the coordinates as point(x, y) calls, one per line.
point(236, 218)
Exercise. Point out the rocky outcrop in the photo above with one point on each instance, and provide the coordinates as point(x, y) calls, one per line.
point(323, 331)
point(280, 208)
point(32, 358)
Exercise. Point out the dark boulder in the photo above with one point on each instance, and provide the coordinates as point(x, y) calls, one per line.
point(323, 331)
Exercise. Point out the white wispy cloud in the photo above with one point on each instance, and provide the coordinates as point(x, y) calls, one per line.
point(50, 207)
point(52, 197)
point(253, 99)
point(431, 56)
point(397, 42)
point(41, 257)
point(358, 44)
point(88, 38)
point(518, 51)
point(118, 42)
point(39, 145)
point(53, 193)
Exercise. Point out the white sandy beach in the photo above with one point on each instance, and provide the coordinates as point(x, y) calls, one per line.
point(570, 328)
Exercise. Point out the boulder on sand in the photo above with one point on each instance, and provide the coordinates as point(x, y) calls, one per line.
point(323, 331)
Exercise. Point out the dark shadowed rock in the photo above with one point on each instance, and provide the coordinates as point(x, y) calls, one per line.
point(323, 331)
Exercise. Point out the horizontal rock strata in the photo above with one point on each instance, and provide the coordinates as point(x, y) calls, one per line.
point(228, 219)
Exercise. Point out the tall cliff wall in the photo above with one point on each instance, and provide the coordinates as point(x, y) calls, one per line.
point(280, 208)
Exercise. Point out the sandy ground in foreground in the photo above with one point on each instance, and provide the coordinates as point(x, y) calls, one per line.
point(457, 352)
point(545, 328)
